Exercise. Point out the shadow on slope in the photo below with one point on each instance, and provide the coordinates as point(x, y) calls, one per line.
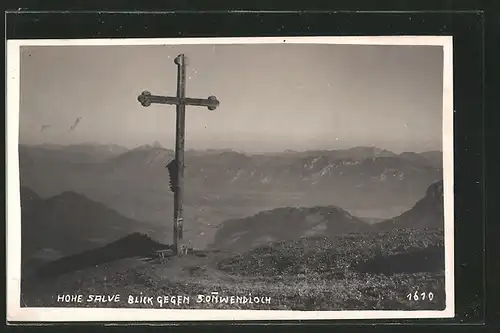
point(429, 259)
point(28, 196)
point(133, 245)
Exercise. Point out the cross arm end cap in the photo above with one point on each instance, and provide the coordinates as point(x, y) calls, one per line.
point(215, 103)
point(143, 98)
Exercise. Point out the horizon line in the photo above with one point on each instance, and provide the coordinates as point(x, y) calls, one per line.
point(286, 150)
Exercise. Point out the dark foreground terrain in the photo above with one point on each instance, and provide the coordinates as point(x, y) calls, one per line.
point(349, 272)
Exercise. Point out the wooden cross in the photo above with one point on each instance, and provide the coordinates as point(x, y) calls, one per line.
point(176, 167)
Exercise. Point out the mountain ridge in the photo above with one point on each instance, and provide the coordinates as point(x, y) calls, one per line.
point(355, 150)
point(68, 223)
point(427, 213)
point(286, 223)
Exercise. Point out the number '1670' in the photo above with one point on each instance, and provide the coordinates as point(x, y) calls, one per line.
point(416, 296)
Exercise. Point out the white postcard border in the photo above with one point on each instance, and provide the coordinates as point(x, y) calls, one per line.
point(16, 313)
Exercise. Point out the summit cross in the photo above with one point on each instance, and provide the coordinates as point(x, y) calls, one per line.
point(176, 167)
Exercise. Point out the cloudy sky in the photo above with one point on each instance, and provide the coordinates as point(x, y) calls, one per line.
point(273, 96)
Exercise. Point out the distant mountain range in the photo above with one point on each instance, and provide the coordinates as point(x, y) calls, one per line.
point(229, 184)
point(77, 153)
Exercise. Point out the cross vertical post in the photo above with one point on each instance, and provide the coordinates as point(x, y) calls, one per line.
point(176, 167)
point(179, 152)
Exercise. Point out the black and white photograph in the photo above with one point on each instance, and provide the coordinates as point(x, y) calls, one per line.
point(230, 179)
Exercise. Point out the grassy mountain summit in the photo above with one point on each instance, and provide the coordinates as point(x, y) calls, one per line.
point(312, 273)
point(287, 223)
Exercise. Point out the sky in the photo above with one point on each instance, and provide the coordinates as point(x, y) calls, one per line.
point(273, 97)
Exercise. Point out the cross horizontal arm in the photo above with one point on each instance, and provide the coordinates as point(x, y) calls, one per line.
point(146, 99)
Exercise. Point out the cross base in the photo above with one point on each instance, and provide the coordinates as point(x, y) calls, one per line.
point(185, 250)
